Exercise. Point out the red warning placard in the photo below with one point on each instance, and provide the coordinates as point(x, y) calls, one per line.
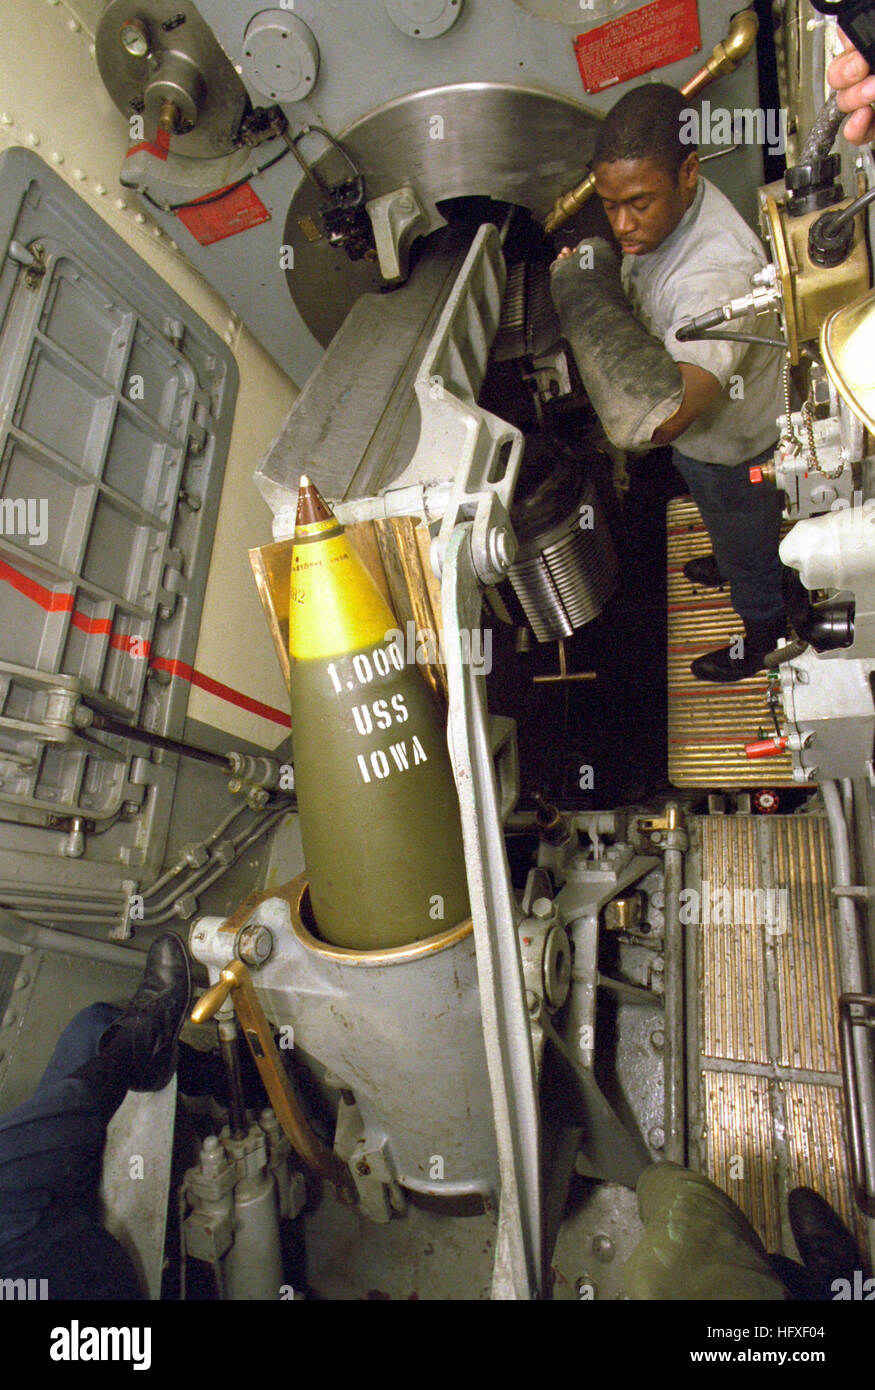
point(652, 37)
point(223, 215)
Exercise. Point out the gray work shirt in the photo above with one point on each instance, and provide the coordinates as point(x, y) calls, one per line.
point(707, 260)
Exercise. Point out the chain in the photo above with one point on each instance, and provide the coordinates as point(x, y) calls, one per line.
point(808, 422)
point(788, 435)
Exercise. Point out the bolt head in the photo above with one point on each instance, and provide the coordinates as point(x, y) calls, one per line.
point(603, 1248)
point(502, 548)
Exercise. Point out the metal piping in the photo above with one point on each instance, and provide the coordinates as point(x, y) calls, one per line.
point(51, 909)
point(851, 957)
point(23, 933)
point(674, 1054)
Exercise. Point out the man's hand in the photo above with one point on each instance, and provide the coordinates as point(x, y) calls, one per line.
point(563, 255)
point(848, 74)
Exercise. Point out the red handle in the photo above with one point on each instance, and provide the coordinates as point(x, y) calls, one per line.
point(766, 747)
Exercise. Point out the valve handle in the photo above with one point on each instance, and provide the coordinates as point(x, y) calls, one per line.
point(766, 747)
point(211, 1002)
point(236, 981)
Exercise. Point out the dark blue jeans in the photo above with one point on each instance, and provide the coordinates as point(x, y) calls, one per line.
point(51, 1155)
point(743, 520)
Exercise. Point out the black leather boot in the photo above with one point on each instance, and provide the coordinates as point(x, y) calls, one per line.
point(704, 573)
point(744, 657)
point(146, 1033)
point(826, 1247)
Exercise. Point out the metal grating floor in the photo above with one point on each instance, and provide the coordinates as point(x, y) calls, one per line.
point(708, 725)
point(769, 1103)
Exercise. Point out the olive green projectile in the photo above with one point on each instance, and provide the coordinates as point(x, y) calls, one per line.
point(378, 808)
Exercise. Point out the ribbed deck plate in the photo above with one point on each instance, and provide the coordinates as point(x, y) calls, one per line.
point(770, 1099)
point(708, 725)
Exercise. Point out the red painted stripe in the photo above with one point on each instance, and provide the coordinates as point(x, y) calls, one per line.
point(46, 598)
point(63, 603)
point(159, 149)
point(100, 626)
point(224, 692)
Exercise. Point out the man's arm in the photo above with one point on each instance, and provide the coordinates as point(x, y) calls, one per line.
point(700, 389)
point(632, 381)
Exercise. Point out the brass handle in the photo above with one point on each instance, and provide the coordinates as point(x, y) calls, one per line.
point(236, 981)
point(212, 1001)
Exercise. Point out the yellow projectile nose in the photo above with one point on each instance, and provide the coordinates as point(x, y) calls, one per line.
point(334, 604)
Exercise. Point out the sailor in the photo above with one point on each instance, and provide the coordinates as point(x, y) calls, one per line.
point(685, 250)
point(51, 1146)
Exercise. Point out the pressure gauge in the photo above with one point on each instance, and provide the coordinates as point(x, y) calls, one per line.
point(135, 39)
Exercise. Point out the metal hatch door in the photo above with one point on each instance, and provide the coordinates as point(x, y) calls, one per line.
point(116, 404)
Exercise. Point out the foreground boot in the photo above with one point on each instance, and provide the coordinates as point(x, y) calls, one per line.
point(697, 1243)
point(826, 1247)
point(704, 573)
point(743, 658)
point(146, 1033)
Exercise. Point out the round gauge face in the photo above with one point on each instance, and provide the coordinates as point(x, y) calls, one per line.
point(134, 37)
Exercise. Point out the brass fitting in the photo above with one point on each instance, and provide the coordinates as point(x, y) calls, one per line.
point(170, 117)
point(566, 206)
point(726, 56)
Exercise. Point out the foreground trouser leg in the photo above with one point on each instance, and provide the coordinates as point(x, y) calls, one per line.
point(51, 1154)
point(697, 1243)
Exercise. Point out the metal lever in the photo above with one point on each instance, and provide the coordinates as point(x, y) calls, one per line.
point(236, 981)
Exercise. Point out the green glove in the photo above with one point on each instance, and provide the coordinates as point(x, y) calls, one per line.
point(633, 383)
